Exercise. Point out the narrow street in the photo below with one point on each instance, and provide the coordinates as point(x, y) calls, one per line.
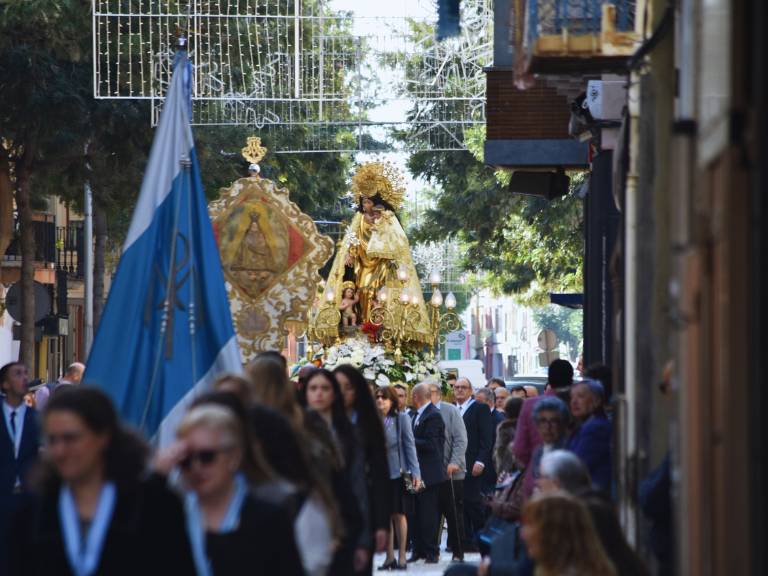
point(427, 569)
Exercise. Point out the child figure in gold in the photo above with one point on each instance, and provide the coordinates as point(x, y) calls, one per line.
point(349, 299)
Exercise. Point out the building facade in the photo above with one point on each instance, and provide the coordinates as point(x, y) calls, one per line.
point(678, 250)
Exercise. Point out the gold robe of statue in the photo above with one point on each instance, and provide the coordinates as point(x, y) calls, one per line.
point(375, 249)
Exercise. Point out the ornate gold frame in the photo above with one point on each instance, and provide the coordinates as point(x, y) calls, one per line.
point(263, 322)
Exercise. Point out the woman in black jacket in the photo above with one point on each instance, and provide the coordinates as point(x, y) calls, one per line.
point(229, 528)
point(96, 512)
point(327, 424)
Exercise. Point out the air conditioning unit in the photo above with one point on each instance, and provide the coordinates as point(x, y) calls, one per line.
point(606, 99)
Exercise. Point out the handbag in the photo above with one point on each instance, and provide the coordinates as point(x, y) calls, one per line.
point(410, 486)
point(495, 526)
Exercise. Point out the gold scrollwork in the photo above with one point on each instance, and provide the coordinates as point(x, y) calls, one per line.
point(270, 282)
point(449, 322)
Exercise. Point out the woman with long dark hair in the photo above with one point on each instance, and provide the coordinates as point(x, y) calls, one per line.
point(317, 524)
point(361, 410)
point(97, 512)
point(328, 423)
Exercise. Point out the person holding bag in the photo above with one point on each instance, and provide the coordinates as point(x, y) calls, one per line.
point(403, 470)
point(505, 512)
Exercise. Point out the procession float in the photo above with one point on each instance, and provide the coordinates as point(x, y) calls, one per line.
point(369, 312)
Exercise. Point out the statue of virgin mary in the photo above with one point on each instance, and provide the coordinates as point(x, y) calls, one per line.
point(375, 255)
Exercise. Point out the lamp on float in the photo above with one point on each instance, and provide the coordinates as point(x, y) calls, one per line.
point(450, 301)
point(437, 298)
point(402, 273)
point(383, 294)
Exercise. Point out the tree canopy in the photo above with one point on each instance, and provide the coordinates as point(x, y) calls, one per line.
point(527, 246)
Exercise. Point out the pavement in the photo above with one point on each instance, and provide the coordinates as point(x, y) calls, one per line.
point(426, 569)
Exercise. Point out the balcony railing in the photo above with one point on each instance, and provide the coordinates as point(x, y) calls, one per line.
point(45, 241)
point(70, 243)
point(574, 36)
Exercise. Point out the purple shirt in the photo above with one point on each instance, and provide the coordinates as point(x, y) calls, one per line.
point(527, 440)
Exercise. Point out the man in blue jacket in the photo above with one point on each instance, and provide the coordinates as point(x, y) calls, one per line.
point(591, 441)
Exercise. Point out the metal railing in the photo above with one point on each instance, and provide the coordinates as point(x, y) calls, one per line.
point(45, 241)
point(70, 245)
point(576, 17)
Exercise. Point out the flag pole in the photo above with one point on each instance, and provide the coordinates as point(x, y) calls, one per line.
point(88, 257)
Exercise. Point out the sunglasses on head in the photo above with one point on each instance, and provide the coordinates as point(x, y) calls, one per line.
point(202, 457)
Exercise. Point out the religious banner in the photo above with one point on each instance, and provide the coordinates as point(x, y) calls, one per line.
point(271, 253)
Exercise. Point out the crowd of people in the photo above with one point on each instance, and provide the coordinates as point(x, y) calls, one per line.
point(312, 476)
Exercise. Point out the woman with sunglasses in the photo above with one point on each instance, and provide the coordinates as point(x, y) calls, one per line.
point(401, 456)
point(328, 424)
point(97, 512)
point(228, 527)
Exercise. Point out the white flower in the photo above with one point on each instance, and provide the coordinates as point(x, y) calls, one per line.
point(369, 374)
point(409, 376)
point(382, 380)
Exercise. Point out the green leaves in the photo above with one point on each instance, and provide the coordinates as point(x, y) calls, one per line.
point(526, 245)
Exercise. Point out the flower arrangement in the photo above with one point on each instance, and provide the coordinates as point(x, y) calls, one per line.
point(379, 366)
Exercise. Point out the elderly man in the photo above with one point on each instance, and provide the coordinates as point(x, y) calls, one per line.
point(429, 436)
point(72, 377)
point(451, 499)
point(479, 424)
point(501, 398)
point(488, 397)
point(591, 441)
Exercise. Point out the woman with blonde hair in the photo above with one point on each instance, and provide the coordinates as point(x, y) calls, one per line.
point(227, 525)
point(561, 539)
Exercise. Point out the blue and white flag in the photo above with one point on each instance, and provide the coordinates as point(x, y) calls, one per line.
point(166, 332)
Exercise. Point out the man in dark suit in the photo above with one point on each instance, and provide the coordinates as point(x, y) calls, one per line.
point(488, 397)
point(19, 445)
point(429, 434)
point(479, 425)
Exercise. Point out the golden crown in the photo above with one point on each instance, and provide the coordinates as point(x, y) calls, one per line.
point(347, 284)
point(380, 178)
point(254, 151)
